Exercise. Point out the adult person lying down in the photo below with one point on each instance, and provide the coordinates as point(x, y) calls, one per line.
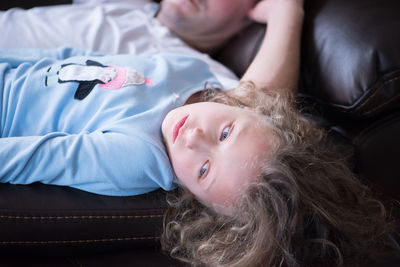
point(258, 188)
point(194, 28)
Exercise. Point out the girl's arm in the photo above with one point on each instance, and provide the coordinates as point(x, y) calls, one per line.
point(107, 163)
point(276, 65)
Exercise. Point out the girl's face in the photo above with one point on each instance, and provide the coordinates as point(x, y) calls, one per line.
point(216, 149)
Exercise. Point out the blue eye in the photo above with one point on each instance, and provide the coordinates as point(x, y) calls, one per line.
point(204, 169)
point(225, 133)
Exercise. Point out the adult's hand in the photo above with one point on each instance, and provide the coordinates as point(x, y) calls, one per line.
point(267, 10)
point(276, 65)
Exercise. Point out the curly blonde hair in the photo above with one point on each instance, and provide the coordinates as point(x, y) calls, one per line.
point(307, 208)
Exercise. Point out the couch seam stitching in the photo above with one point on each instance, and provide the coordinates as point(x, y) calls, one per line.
point(380, 87)
point(356, 109)
point(343, 108)
point(79, 241)
point(78, 217)
point(376, 91)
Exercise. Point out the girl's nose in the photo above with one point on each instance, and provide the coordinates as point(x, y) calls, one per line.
point(195, 139)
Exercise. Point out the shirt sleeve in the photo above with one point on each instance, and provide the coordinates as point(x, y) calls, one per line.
point(99, 162)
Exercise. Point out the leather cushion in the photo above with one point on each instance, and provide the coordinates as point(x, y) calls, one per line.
point(351, 55)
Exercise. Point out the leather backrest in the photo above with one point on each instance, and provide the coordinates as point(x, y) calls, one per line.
point(350, 55)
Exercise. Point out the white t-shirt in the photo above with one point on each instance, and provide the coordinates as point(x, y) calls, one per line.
point(105, 26)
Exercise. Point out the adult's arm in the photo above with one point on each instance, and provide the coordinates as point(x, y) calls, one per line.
point(276, 65)
point(95, 25)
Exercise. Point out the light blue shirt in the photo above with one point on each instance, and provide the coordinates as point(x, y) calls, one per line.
point(91, 122)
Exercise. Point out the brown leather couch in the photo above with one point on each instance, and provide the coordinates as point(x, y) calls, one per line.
point(350, 84)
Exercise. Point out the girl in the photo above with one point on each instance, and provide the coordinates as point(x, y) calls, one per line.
point(296, 205)
point(252, 166)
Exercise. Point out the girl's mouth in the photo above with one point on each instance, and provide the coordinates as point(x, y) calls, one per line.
point(177, 127)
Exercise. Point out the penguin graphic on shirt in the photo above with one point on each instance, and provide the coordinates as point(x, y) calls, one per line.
point(93, 73)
